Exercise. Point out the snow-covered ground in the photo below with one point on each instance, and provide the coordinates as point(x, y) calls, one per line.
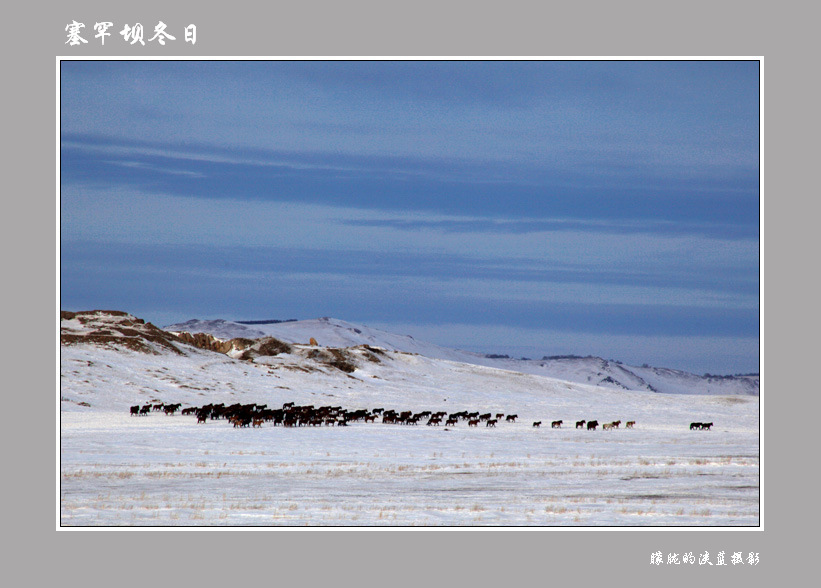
point(116, 469)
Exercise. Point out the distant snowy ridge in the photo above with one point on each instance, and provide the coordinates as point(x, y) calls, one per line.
point(219, 328)
point(336, 333)
point(328, 332)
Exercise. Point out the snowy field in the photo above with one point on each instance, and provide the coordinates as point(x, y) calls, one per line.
point(159, 470)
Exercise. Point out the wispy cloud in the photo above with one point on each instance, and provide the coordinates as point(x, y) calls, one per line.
point(145, 167)
point(466, 197)
point(98, 213)
point(537, 111)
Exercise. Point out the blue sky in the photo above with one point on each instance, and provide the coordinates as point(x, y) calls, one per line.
point(531, 208)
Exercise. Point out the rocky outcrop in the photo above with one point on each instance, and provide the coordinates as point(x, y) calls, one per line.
point(252, 349)
point(114, 328)
point(267, 346)
point(205, 341)
point(239, 347)
point(340, 359)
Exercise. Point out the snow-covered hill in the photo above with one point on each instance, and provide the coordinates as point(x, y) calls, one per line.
point(330, 332)
point(158, 469)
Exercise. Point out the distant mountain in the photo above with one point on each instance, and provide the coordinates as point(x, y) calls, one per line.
point(335, 333)
point(267, 322)
point(609, 373)
point(218, 328)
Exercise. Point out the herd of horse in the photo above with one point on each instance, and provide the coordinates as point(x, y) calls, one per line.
point(292, 415)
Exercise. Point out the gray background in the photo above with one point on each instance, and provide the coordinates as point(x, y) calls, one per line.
point(39, 552)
